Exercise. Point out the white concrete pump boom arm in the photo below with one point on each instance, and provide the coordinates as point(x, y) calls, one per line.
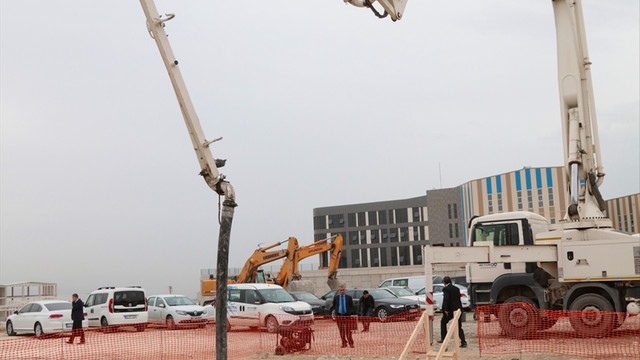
point(208, 165)
point(579, 127)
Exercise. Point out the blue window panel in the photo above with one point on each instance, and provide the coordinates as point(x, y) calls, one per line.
point(527, 178)
point(489, 190)
point(518, 181)
point(538, 178)
point(499, 184)
point(549, 178)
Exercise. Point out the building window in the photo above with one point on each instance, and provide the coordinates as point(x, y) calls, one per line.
point(405, 255)
point(417, 255)
point(449, 210)
point(553, 220)
point(385, 235)
point(363, 258)
point(393, 235)
point(490, 202)
point(416, 234)
point(519, 195)
point(540, 201)
point(343, 260)
point(394, 256)
point(499, 202)
point(351, 219)
point(550, 196)
point(451, 231)
point(319, 222)
point(336, 221)
point(401, 216)
point(626, 228)
point(374, 237)
point(530, 199)
point(372, 218)
point(456, 228)
point(416, 214)
point(375, 259)
point(353, 237)
point(404, 234)
point(383, 257)
point(391, 217)
point(361, 219)
point(455, 211)
point(355, 258)
point(382, 217)
point(363, 237)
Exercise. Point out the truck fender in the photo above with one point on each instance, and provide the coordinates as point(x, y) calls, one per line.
point(519, 279)
point(613, 293)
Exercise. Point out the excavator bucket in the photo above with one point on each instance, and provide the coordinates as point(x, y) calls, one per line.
point(334, 284)
point(302, 285)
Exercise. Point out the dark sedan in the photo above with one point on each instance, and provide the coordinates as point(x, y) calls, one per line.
point(386, 303)
point(317, 305)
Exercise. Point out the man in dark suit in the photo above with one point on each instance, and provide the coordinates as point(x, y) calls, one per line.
point(450, 303)
point(77, 315)
point(366, 305)
point(343, 304)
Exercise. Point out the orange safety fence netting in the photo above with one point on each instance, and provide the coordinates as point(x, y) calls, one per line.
point(157, 341)
point(518, 328)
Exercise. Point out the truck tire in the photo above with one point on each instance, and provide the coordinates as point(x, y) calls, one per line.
point(518, 317)
point(592, 315)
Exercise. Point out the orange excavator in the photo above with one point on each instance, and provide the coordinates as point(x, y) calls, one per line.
point(289, 276)
point(250, 272)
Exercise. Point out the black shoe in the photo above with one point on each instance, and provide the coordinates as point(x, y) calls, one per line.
point(440, 341)
point(463, 345)
point(343, 346)
point(351, 345)
point(69, 342)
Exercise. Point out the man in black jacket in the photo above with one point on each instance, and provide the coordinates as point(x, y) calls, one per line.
point(343, 304)
point(77, 315)
point(450, 303)
point(367, 304)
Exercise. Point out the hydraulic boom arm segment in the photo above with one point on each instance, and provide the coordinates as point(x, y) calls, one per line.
point(577, 110)
point(395, 8)
point(262, 256)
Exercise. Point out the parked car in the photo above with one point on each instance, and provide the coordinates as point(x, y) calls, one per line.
point(176, 310)
point(42, 317)
point(414, 283)
point(264, 305)
point(117, 306)
point(438, 296)
point(317, 305)
point(386, 303)
point(404, 292)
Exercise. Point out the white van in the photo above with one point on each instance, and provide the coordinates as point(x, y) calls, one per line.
point(264, 305)
point(111, 305)
point(414, 283)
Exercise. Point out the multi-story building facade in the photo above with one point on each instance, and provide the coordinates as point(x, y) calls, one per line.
point(624, 212)
point(386, 233)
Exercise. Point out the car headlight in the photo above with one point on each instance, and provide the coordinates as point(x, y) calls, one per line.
point(181, 312)
point(287, 309)
point(397, 306)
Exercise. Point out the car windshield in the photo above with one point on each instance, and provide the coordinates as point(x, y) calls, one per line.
point(420, 292)
point(305, 296)
point(381, 294)
point(276, 295)
point(402, 292)
point(58, 306)
point(178, 300)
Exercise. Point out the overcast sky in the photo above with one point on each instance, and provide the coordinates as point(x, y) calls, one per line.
point(319, 104)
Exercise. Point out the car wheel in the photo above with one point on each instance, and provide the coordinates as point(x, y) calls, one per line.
point(104, 323)
point(9, 328)
point(38, 330)
point(382, 314)
point(171, 324)
point(592, 315)
point(272, 324)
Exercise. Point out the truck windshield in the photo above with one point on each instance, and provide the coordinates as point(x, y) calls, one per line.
point(499, 234)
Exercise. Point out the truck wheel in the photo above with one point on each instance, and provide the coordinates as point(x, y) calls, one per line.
point(592, 315)
point(518, 316)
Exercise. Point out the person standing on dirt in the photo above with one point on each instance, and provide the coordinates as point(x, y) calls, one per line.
point(450, 303)
point(343, 304)
point(77, 315)
point(366, 305)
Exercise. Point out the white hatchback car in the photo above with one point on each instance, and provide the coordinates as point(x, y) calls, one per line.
point(264, 305)
point(42, 317)
point(175, 310)
point(117, 306)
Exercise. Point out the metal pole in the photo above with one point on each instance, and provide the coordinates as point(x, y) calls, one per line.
point(221, 279)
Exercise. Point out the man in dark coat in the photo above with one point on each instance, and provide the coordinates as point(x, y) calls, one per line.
point(77, 315)
point(343, 304)
point(367, 304)
point(450, 303)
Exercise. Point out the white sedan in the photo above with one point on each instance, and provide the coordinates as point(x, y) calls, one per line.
point(174, 310)
point(42, 317)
